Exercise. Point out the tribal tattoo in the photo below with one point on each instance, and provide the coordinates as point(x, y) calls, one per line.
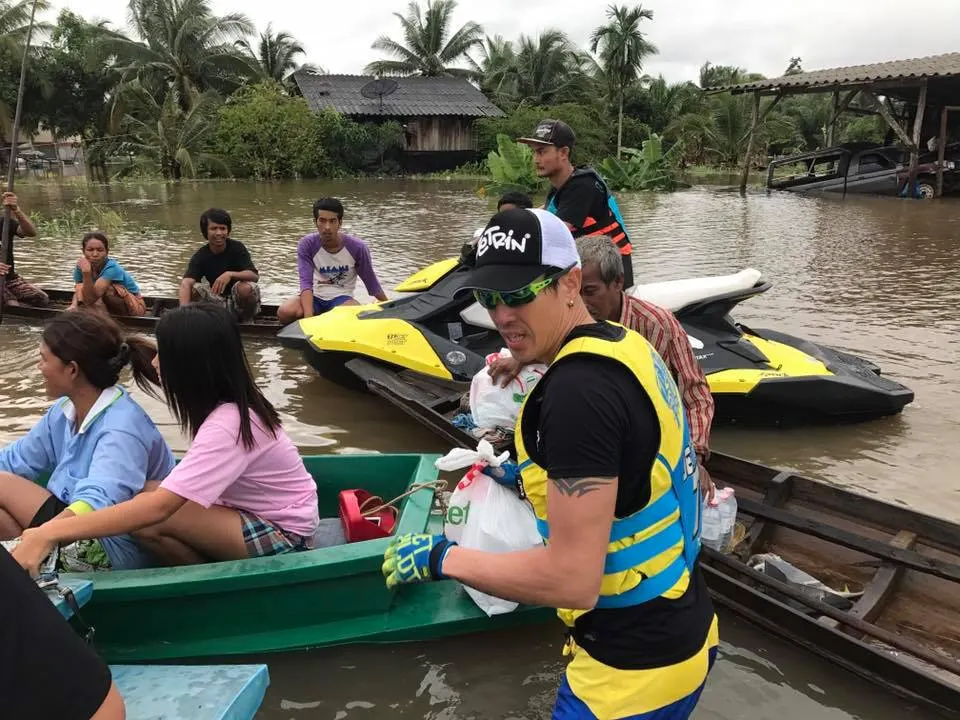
point(578, 487)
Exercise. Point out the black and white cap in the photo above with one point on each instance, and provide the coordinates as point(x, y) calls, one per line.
point(519, 246)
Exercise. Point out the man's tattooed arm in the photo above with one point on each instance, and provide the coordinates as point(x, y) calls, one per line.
point(578, 487)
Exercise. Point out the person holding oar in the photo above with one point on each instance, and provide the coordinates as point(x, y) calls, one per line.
point(16, 290)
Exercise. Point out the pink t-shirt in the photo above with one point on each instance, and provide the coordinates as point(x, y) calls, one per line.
point(269, 481)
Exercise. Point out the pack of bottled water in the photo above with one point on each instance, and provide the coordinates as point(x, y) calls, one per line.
point(719, 520)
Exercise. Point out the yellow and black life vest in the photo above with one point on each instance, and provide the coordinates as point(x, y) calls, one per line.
point(652, 551)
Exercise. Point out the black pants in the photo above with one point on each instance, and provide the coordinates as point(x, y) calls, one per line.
point(51, 507)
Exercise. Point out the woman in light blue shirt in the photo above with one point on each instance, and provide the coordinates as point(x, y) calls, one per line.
point(96, 444)
point(100, 281)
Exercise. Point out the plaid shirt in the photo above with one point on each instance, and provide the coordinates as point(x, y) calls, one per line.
point(664, 332)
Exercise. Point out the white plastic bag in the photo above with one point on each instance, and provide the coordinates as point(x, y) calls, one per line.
point(493, 406)
point(484, 515)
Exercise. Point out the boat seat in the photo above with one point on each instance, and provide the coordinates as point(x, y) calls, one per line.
point(198, 692)
point(476, 314)
point(671, 294)
point(676, 294)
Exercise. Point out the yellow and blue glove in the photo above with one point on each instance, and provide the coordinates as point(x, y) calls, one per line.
point(414, 558)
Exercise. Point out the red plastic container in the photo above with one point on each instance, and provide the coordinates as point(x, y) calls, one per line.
point(356, 526)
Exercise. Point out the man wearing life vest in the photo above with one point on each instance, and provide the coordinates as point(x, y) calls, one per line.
point(578, 195)
point(606, 460)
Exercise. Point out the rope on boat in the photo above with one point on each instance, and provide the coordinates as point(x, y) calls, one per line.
point(437, 486)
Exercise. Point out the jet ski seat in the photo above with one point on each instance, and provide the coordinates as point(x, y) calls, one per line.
point(676, 294)
point(671, 294)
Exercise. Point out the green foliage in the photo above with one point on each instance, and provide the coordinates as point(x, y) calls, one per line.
point(511, 167)
point(265, 134)
point(647, 169)
point(429, 46)
point(594, 128)
point(78, 217)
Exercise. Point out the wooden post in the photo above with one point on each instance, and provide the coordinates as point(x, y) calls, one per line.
point(941, 149)
point(884, 109)
point(917, 126)
point(754, 121)
point(832, 125)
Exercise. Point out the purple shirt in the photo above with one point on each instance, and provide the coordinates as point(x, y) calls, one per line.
point(330, 275)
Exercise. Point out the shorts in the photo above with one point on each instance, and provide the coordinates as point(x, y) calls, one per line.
point(263, 537)
point(51, 507)
point(16, 288)
point(79, 556)
point(244, 311)
point(322, 306)
point(591, 690)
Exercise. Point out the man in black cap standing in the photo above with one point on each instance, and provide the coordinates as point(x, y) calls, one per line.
point(605, 459)
point(578, 195)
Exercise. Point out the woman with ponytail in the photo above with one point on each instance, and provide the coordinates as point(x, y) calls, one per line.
point(96, 445)
point(240, 491)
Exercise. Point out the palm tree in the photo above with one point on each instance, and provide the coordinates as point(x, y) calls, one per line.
point(623, 49)
point(15, 20)
point(275, 56)
point(184, 47)
point(494, 70)
point(428, 48)
point(549, 69)
point(165, 135)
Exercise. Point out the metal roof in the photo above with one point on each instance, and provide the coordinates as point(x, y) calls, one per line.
point(414, 96)
point(947, 65)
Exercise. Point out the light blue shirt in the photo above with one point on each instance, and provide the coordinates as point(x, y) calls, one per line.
point(107, 461)
point(114, 272)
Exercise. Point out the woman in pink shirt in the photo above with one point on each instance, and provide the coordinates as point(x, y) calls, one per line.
point(240, 491)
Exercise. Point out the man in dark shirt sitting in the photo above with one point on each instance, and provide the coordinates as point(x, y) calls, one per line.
point(578, 195)
point(226, 265)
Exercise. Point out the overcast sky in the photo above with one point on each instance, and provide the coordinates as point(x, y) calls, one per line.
point(760, 35)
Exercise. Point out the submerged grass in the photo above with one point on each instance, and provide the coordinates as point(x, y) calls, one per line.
point(80, 216)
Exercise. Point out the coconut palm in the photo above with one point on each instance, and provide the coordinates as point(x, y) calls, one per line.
point(15, 20)
point(549, 69)
point(494, 70)
point(623, 48)
point(164, 135)
point(182, 46)
point(428, 47)
point(275, 56)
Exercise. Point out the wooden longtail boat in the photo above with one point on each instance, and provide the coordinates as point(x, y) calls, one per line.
point(900, 625)
point(327, 596)
point(265, 324)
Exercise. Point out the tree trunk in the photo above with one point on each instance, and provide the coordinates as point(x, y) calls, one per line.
point(620, 126)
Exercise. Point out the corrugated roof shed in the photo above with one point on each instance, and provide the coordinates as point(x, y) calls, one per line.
point(414, 96)
point(944, 66)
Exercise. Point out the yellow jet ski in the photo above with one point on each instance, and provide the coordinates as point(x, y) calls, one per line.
point(757, 376)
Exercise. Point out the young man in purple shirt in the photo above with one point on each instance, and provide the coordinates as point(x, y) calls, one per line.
point(329, 263)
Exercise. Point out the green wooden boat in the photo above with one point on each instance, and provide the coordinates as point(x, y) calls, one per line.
point(328, 596)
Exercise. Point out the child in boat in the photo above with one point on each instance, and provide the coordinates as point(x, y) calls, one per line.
point(96, 443)
point(100, 281)
point(240, 491)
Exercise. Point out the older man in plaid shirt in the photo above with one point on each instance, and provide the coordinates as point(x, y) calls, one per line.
point(602, 292)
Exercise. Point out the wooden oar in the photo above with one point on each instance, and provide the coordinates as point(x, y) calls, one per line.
point(14, 140)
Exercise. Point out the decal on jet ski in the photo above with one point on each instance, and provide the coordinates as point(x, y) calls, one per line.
point(396, 338)
point(456, 357)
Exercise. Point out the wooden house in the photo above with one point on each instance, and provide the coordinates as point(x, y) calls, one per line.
point(438, 113)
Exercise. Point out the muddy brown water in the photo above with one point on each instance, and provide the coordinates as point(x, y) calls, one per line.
point(877, 277)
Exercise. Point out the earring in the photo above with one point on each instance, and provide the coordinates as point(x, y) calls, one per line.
point(569, 303)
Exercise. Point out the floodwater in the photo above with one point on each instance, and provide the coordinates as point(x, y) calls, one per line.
point(877, 277)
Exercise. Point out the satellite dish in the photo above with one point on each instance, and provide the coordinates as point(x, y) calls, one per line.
point(378, 89)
